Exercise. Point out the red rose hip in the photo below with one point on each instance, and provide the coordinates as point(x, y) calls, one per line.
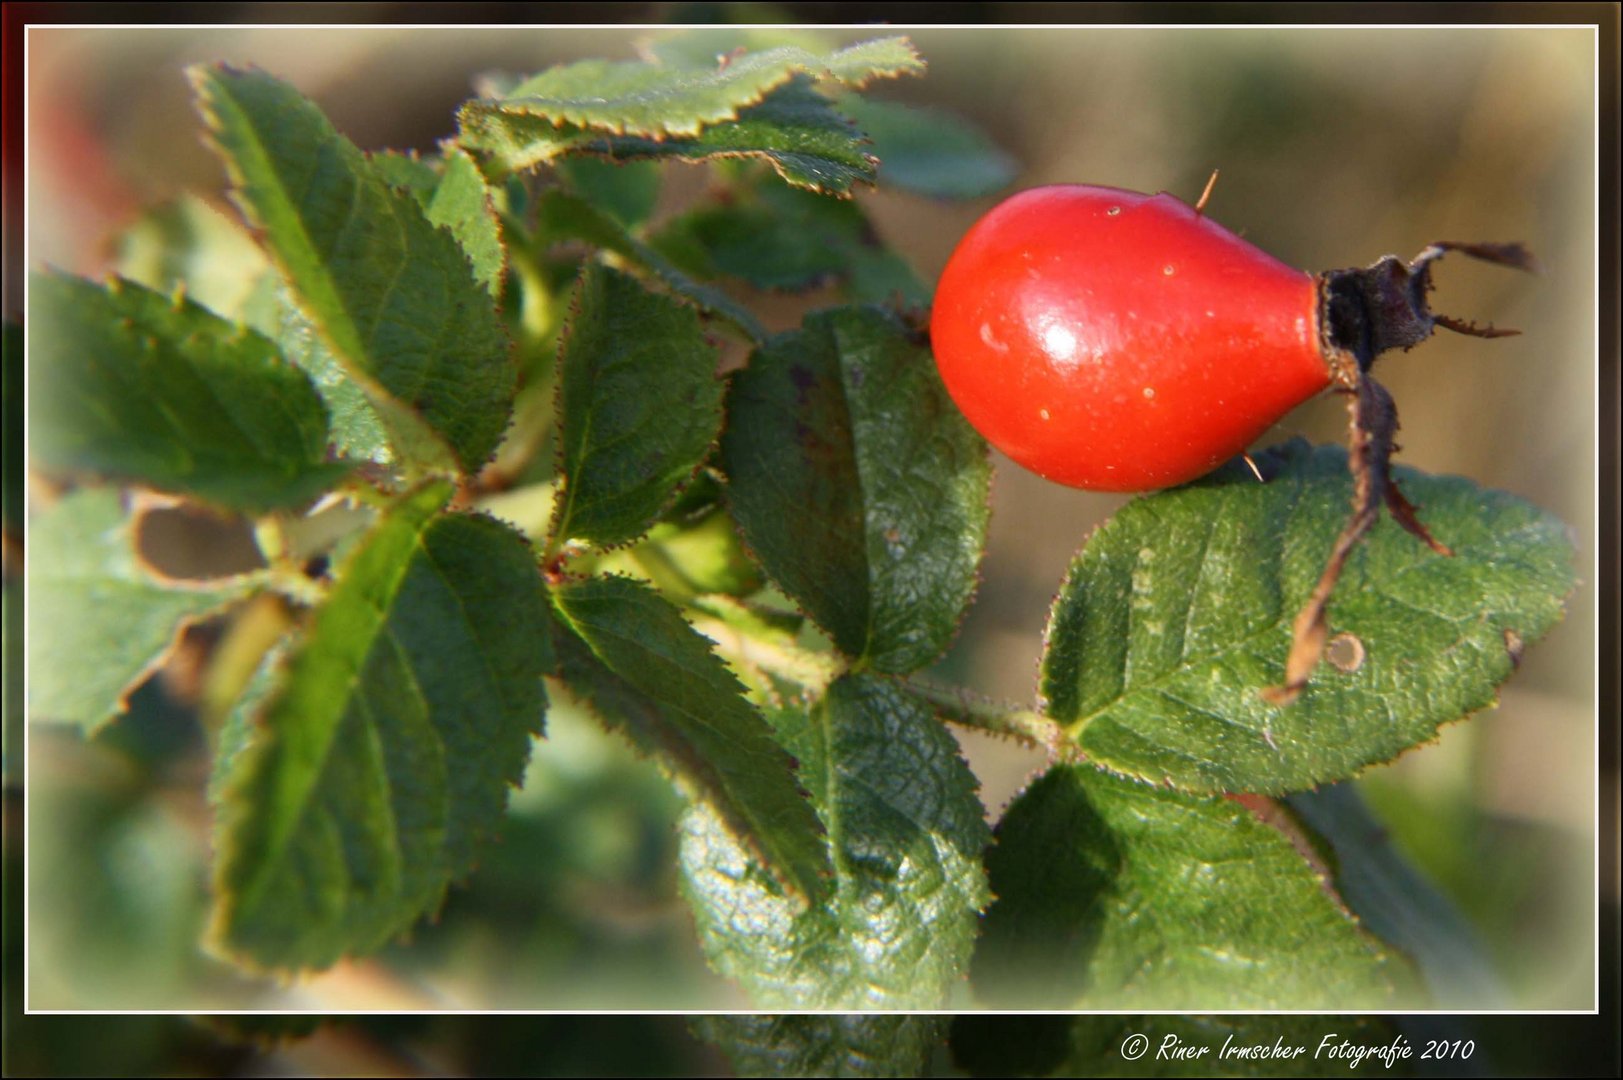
point(1121, 342)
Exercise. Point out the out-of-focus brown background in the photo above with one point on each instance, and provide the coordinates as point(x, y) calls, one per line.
point(1336, 146)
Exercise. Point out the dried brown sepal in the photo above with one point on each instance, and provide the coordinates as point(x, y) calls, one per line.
point(1373, 421)
point(1514, 256)
point(1363, 313)
point(1471, 329)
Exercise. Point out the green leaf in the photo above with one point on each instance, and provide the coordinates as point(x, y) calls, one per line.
point(385, 757)
point(693, 552)
point(794, 128)
point(639, 406)
point(638, 98)
point(357, 430)
point(1178, 612)
point(698, 557)
point(858, 484)
point(648, 673)
point(462, 203)
point(392, 294)
point(704, 46)
point(627, 193)
point(134, 385)
point(778, 237)
point(905, 831)
point(930, 151)
point(1397, 904)
point(707, 48)
point(1115, 894)
point(408, 172)
point(236, 731)
point(828, 1046)
point(98, 623)
point(561, 216)
point(453, 195)
point(187, 244)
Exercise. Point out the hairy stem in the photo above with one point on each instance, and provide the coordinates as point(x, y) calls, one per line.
point(813, 670)
point(961, 707)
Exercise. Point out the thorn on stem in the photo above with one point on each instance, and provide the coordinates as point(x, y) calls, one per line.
point(1200, 203)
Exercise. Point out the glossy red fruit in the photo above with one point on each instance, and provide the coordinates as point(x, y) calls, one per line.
point(1121, 342)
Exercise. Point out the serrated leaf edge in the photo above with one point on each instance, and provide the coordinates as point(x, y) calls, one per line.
point(556, 110)
point(374, 391)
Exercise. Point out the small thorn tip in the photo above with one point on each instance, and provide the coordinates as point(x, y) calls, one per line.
point(1200, 204)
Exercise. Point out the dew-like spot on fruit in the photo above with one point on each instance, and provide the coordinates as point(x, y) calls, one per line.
point(1060, 342)
point(1169, 270)
point(1113, 211)
point(1149, 391)
point(1211, 314)
point(991, 340)
point(1043, 413)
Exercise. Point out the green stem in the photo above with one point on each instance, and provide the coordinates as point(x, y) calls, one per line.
point(271, 540)
point(534, 293)
point(663, 571)
point(960, 706)
point(775, 655)
point(296, 587)
point(815, 670)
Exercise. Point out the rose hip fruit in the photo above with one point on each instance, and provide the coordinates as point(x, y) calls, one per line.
point(1116, 341)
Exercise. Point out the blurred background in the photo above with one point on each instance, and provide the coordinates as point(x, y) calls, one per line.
point(1336, 146)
